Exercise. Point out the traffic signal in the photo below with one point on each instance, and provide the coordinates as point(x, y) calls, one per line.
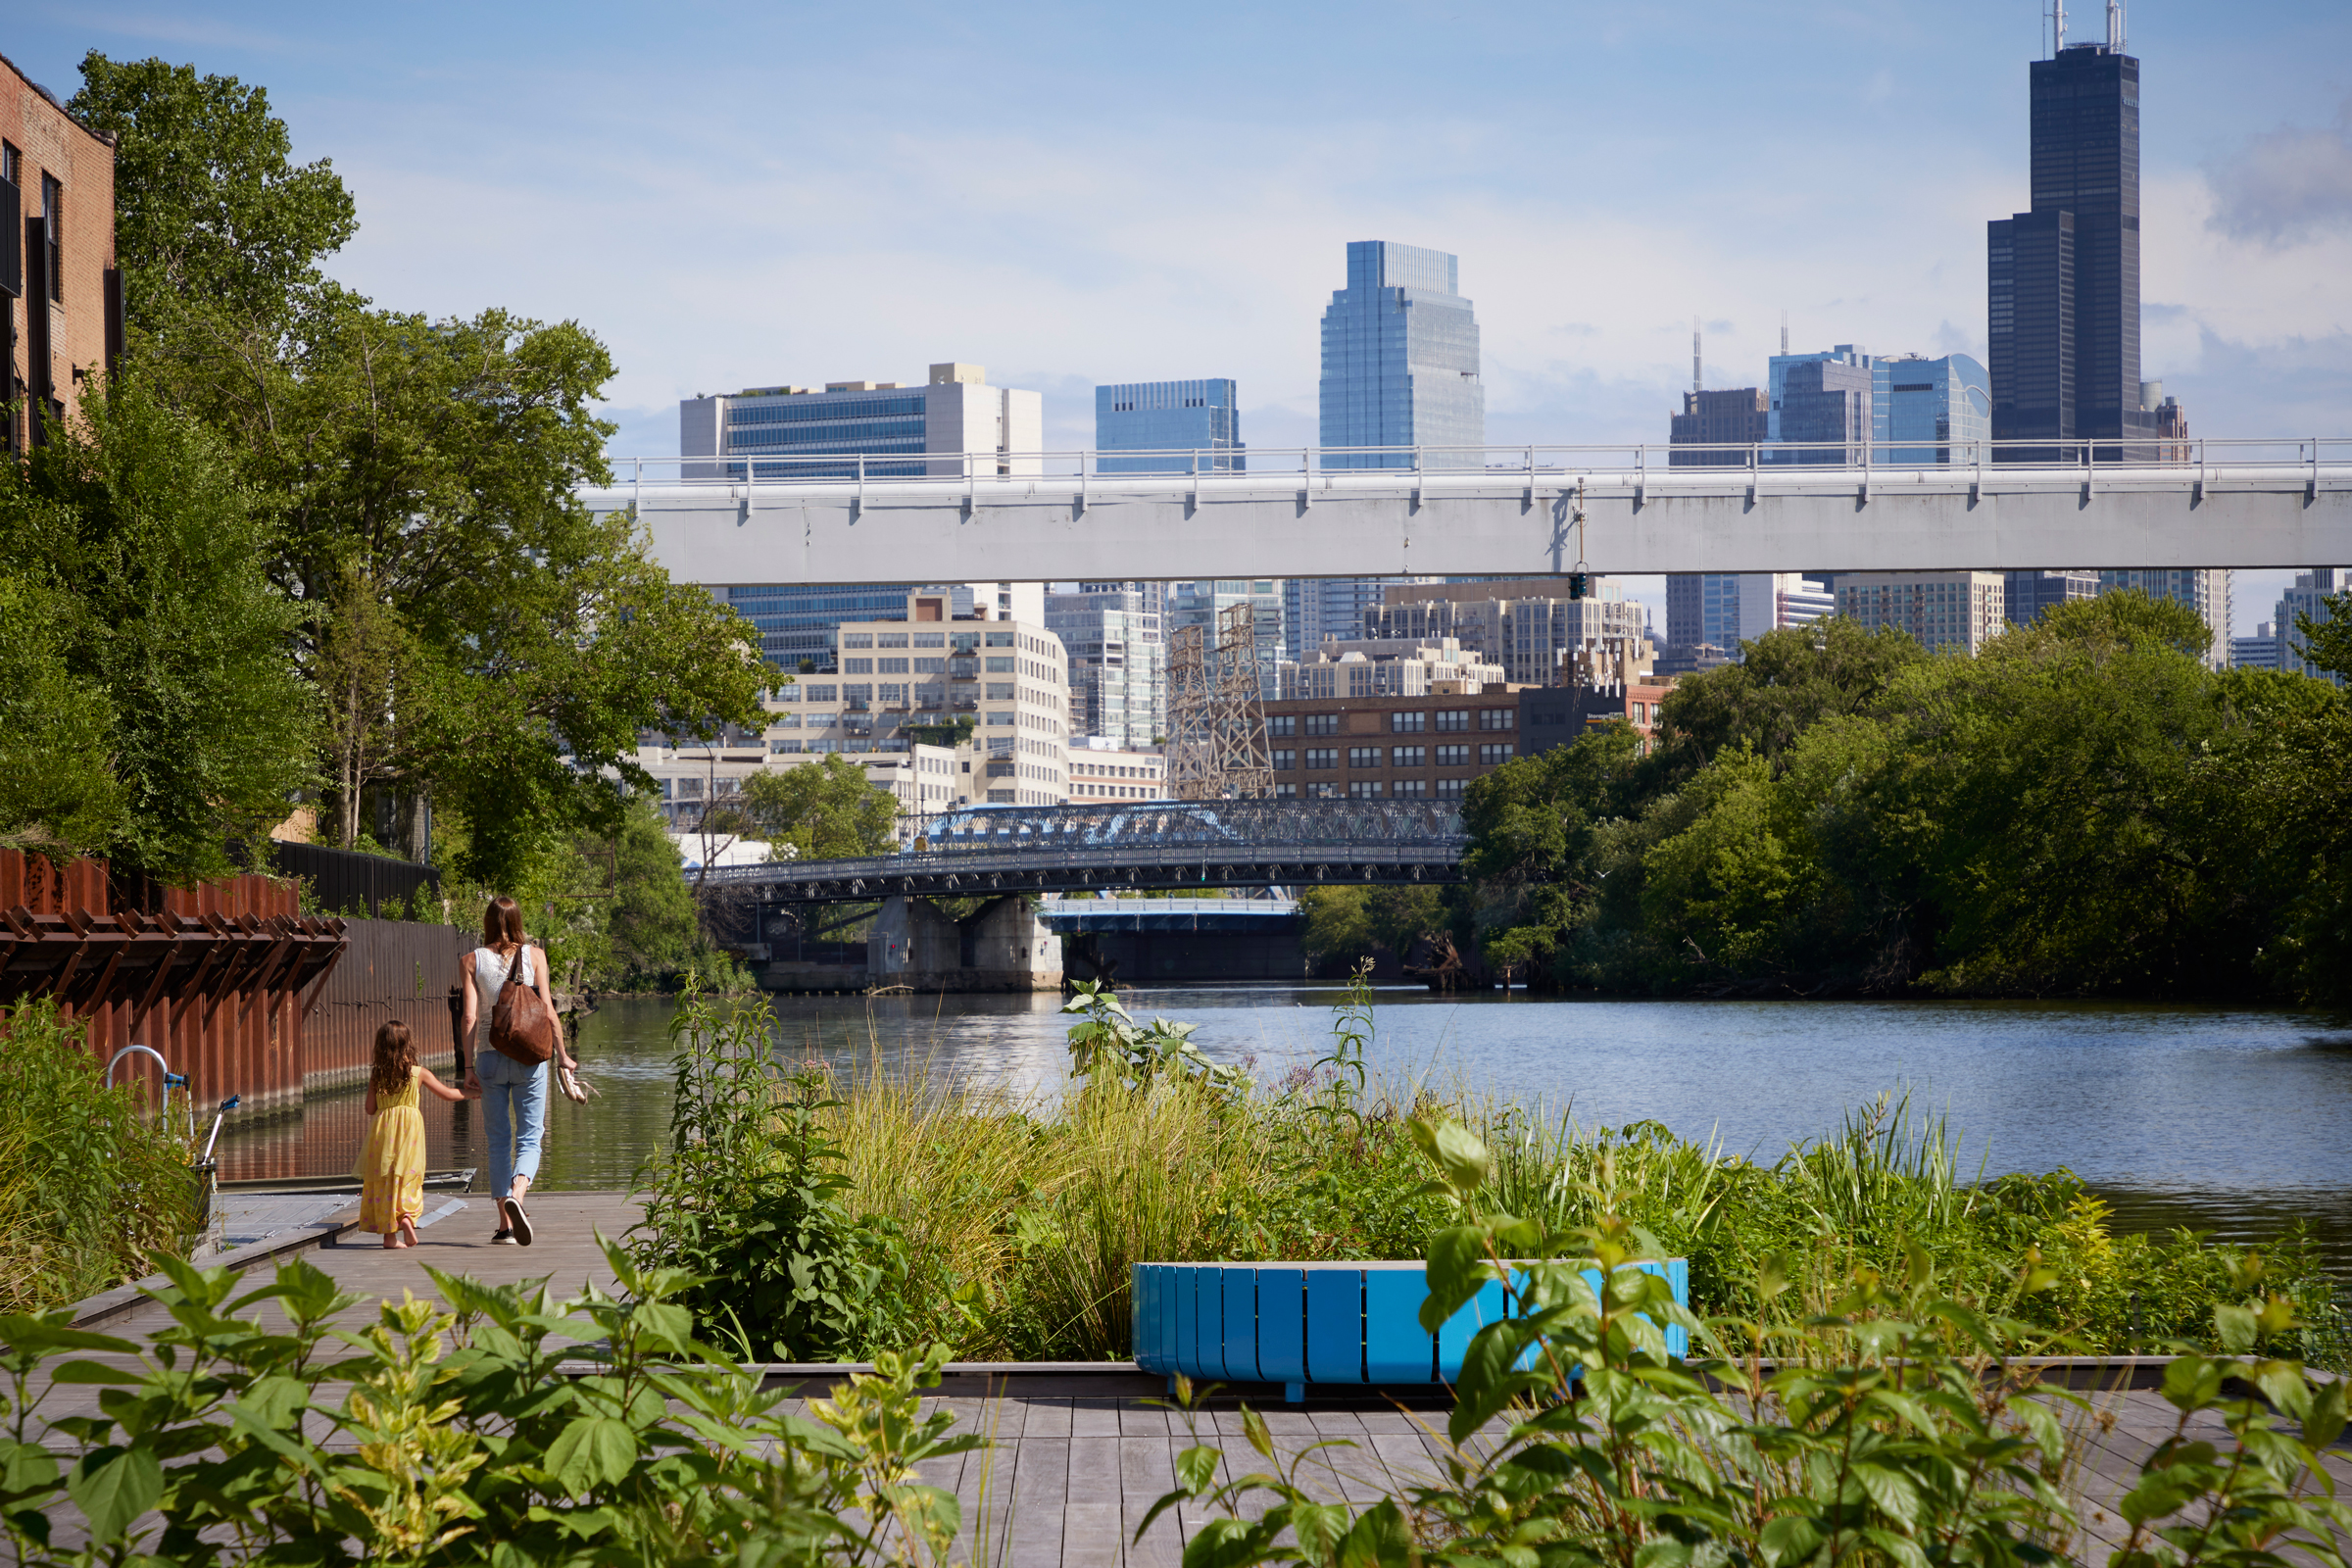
point(1580, 585)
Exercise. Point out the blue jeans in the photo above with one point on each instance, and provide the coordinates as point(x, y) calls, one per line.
point(515, 1099)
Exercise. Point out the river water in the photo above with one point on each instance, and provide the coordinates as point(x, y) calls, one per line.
point(2236, 1121)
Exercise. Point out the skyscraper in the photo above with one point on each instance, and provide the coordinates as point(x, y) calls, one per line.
point(1937, 409)
point(1400, 369)
point(1118, 662)
point(2063, 277)
point(1183, 421)
point(1401, 357)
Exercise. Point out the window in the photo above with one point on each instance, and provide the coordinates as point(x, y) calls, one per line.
point(1493, 755)
point(1001, 666)
point(999, 639)
point(1364, 789)
point(1498, 718)
point(1000, 690)
point(787, 693)
point(1451, 789)
point(1406, 755)
point(930, 667)
point(786, 721)
point(930, 639)
point(857, 692)
point(1283, 724)
point(1322, 792)
point(9, 160)
point(1000, 719)
point(1407, 724)
point(53, 218)
point(1456, 720)
point(890, 666)
point(1322, 757)
point(824, 693)
point(1322, 723)
point(858, 639)
point(1454, 756)
point(892, 692)
point(1363, 756)
point(1286, 758)
point(857, 667)
point(890, 639)
point(1286, 791)
point(1415, 787)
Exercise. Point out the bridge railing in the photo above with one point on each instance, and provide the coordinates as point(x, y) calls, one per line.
point(2195, 455)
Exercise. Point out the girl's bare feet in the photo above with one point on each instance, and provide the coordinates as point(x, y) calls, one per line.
point(391, 1240)
point(407, 1233)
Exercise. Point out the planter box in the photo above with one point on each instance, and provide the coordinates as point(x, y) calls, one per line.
point(1300, 1323)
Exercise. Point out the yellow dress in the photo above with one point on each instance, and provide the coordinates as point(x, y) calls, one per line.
point(391, 1167)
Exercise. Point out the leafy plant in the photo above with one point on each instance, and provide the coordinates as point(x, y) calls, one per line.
point(1109, 1046)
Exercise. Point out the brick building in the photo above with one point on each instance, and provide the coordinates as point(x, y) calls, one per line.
point(58, 282)
point(1391, 748)
point(1555, 715)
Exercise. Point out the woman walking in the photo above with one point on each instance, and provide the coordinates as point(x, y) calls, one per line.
point(513, 1095)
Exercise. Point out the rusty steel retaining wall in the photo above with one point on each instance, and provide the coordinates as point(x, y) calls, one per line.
point(392, 969)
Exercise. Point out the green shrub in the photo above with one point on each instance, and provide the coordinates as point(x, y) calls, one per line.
point(92, 1190)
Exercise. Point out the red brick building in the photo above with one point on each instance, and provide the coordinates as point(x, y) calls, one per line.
point(58, 282)
point(1391, 748)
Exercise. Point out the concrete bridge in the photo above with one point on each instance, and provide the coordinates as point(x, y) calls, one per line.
point(1507, 511)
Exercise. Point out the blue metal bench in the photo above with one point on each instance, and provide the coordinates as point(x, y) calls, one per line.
point(1300, 1323)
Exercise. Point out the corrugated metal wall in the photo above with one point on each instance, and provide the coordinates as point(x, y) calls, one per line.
point(392, 969)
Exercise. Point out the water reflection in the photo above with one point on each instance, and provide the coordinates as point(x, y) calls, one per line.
point(2221, 1119)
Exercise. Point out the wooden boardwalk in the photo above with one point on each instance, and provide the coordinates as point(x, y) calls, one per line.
point(1069, 1473)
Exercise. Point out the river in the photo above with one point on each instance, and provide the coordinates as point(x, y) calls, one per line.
point(2233, 1120)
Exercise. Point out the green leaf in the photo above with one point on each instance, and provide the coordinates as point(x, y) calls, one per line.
point(1456, 1151)
point(2323, 1422)
point(113, 1486)
point(1254, 1427)
point(589, 1449)
point(1895, 1493)
point(2236, 1326)
point(26, 1467)
point(86, 1371)
point(2192, 1382)
point(1378, 1538)
point(1197, 1468)
point(1456, 1271)
point(1227, 1544)
point(1792, 1537)
point(38, 1335)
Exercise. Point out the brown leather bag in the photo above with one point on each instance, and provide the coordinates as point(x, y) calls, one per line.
point(523, 1027)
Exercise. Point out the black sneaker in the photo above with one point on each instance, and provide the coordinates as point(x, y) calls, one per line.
point(520, 1221)
point(501, 1236)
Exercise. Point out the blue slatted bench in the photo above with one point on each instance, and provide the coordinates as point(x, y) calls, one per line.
point(1300, 1323)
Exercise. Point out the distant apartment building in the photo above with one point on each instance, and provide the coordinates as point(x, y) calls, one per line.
point(921, 678)
point(61, 294)
point(881, 428)
point(799, 623)
point(1117, 652)
point(1524, 625)
point(702, 784)
point(2307, 599)
point(1385, 667)
point(1723, 610)
point(2258, 652)
point(1116, 773)
point(1391, 748)
point(1184, 426)
point(1399, 368)
point(2031, 594)
point(1940, 610)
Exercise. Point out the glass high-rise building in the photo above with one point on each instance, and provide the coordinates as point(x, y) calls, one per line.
point(1401, 359)
point(1934, 407)
point(1183, 423)
point(2062, 296)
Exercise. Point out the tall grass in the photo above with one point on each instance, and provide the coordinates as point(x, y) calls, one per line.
point(1021, 1215)
point(91, 1187)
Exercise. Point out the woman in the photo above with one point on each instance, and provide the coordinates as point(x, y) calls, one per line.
point(515, 1096)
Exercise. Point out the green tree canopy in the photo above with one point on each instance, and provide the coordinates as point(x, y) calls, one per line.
point(1790, 678)
point(824, 810)
point(131, 537)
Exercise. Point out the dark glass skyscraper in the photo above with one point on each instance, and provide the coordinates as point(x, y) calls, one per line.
point(2063, 295)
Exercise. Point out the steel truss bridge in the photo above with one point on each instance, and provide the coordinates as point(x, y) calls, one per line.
point(1490, 510)
point(992, 850)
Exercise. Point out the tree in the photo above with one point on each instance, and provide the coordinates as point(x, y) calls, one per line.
point(2327, 640)
point(488, 644)
point(1531, 825)
point(825, 809)
point(208, 208)
point(58, 790)
point(1791, 678)
point(129, 532)
point(1348, 923)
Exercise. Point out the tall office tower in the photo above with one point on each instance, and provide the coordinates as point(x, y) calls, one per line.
point(1736, 418)
point(1201, 603)
point(1841, 394)
point(1182, 422)
point(2031, 594)
point(2307, 598)
point(1400, 369)
point(2062, 295)
point(2203, 589)
point(1937, 410)
point(1118, 663)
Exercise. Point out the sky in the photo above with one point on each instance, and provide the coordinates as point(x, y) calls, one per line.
point(733, 196)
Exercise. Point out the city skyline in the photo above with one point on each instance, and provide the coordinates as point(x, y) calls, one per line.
point(475, 142)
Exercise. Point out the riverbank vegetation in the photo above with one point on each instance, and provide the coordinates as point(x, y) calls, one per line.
point(2083, 809)
point(93, 1186)
point(837, 1215)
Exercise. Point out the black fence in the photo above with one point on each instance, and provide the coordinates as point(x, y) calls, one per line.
point(349, 883)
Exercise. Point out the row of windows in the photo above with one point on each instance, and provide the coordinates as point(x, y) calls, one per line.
point(1492, 754)
point(53, 215)
point(1372, 789)
point(802, 411)
point(895, 435)
point(1399, 723)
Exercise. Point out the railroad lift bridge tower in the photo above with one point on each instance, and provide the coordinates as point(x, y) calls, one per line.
point(1216, 715)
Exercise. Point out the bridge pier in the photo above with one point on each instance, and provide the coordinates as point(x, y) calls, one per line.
point(1001, 947)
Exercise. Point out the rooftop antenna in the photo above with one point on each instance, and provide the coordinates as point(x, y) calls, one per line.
point(1783, 334)
point(1697, 384)
point(2057, 27)
point(2115, 26)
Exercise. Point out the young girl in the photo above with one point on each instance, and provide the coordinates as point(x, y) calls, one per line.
point(391, 1167)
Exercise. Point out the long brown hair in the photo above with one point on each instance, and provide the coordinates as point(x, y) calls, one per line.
point(395, 1058)
point(502, 924)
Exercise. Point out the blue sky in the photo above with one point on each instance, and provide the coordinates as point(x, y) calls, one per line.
point(733, 195)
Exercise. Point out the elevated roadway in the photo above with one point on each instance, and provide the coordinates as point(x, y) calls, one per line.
point(1501, 510)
